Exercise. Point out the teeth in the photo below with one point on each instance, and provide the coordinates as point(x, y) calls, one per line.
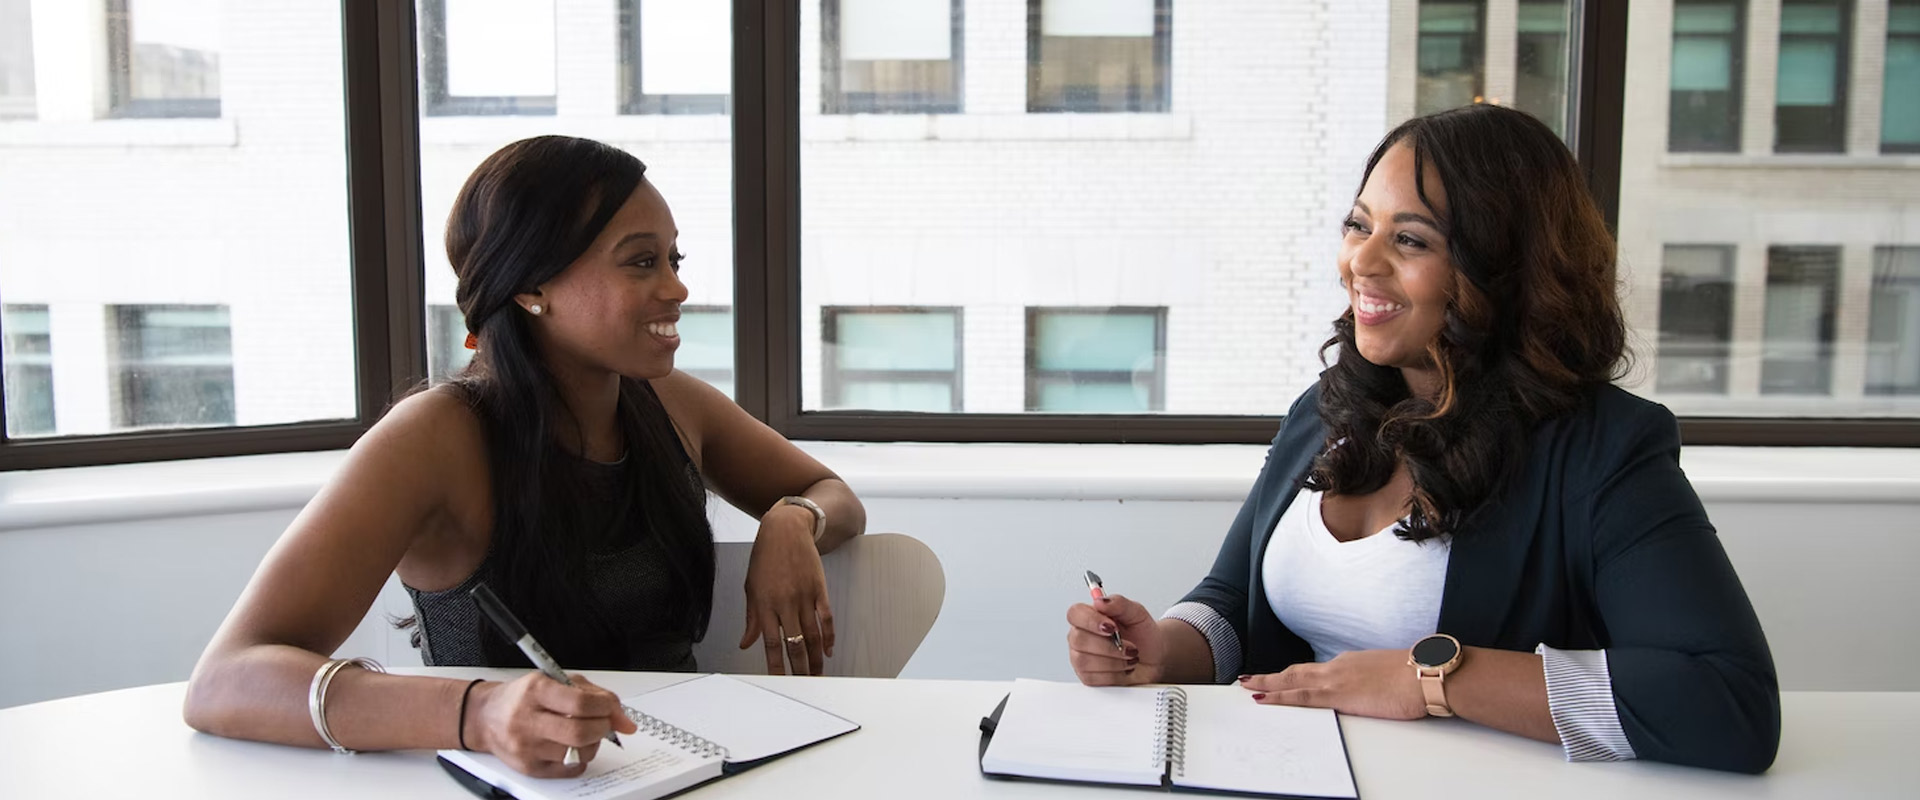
point(666, 329)
point(1377, 308)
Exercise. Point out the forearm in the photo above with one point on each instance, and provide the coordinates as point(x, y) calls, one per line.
point(846, 516)
point(1502, 689)
point(260, 693)
point(1189, 659)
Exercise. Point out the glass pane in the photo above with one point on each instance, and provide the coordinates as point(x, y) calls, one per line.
point(897, 396)
point(16, 59)
point(195, 272)
point(171, 57)
point(1762, 286)
point(1903, 17)
point(1449, 57)
point(1094, 341)
point(1900, 111)
point(1810, 18)
point(1702, 64)
point(1215, 199)
point(875, 340)
point(1893, 330)
point(891, 56)
point(613, 72)
point(1705, 17)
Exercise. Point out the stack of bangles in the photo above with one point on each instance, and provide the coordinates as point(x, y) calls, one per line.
point(317, 695)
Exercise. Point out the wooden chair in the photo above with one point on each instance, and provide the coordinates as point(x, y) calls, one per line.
point(885, 589)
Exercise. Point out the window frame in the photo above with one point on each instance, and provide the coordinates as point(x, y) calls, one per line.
point(833, 379)
point(1897, 148)
point(1161, 103)
point(121, 104)
point(433, 63)
point(1736, 79)
point(382, 120)
point(634, 101)
point(835, 101)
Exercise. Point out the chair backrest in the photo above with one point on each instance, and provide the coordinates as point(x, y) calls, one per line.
point(885, 590)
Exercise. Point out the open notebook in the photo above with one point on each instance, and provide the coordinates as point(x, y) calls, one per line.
point(1206, 740)
point(690, 733)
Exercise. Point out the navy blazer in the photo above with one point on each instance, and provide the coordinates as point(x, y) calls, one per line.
point(1599, 543)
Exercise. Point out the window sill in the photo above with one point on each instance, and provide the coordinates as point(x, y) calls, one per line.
point(493, 131)
point(1217, 473)
point(140, 133)
point(1808, 161)
point(995, 127)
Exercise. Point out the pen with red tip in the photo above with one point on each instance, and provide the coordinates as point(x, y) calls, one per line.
point(1094, 588)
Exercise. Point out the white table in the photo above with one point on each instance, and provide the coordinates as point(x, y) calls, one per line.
point(921, 738)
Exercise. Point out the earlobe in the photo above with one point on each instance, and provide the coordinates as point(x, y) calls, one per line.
point(534, 302)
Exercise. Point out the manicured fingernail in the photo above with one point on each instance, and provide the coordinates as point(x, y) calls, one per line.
point(1245, 678)
point(1106, 627)
point(1132, 662)
point(1105, 599)
point(1259, 696)
point(1133, 652)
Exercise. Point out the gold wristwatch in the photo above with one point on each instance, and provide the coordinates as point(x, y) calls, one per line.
point(1432, 659)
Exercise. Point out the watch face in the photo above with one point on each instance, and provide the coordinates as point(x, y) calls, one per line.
point(1434, 651)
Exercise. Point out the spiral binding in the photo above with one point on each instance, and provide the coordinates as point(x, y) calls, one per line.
point(1170, 716)
point(676, 736)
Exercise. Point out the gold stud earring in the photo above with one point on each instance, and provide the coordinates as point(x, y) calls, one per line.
point(535, 309)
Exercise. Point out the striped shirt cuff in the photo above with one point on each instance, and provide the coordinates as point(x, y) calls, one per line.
point(1580, 698)
point(1219, 634)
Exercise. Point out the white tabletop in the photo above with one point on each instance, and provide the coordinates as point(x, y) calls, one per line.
point(922, 737)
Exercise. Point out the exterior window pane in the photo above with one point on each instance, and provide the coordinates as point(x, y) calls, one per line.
point(1810, 111)
point(1096, 360)
point(904, 359)
point(1099, 55)
point(891, 56)
point(1696, 319)
point(1451, 60)
point(172, 366)
point(675, 57)
point(29, 376)
point(487, 57)
point(1542, 62)
point(16, 59)
point(706, 345)
point(1801, 284)
point(1705, 80)
point(1900, 111)
point(1893, 338)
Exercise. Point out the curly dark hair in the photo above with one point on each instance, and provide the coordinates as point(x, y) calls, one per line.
point(1534, 326)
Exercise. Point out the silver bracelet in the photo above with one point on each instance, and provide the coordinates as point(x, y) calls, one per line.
point(317, 695)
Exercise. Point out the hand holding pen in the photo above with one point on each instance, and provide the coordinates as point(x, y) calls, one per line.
point(1113, 641)
point(569, 712)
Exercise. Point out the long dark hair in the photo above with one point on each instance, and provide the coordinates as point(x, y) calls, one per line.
point(525, 214)
point(1532, 327)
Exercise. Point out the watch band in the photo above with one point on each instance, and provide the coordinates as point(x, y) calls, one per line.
point(819, 514)
point(1432, 677)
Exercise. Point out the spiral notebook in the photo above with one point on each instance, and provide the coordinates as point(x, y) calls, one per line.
point(1211, 739)
point(690, 733)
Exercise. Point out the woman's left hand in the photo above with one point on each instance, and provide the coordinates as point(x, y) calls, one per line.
point(787, 606)
point(1369, 683)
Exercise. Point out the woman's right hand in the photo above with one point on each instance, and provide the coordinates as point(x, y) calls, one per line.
point(1143, 648)
point(531, 721)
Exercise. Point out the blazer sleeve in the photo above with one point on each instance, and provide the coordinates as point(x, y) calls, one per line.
point(1693, 679)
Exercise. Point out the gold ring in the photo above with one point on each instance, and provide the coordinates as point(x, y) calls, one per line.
point(797, 639)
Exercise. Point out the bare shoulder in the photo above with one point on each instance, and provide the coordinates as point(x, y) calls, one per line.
point(699, 411)
point(432, 438)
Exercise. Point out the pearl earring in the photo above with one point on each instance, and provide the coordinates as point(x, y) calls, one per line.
point(535, 309)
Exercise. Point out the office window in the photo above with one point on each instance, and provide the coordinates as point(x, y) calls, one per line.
point(29, 375)
point(1540, 60)
point(1797, 349)
point(16, 59)
point(1099, 55)
point(1893, 337)
point(1810, 110)
point(1703, 106)
point(675, 56)
point(1451, 57)
point(447, 351)
point(1696, 319)
point(706, 345)
point(164, 57)
point(486, 57)
point(891, 359)
point(1096, 360)
point(891, 56)
point(1900, 102)
point(172, 366)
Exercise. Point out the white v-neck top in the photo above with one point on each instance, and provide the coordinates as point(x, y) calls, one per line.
point(1380, 592)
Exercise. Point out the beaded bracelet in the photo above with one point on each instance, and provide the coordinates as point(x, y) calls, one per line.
point(317, 695)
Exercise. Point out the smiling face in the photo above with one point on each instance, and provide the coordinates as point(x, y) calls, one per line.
point(1394, 264)
point(615, 308)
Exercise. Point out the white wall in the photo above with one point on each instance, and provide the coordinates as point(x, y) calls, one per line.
point(1823, 539)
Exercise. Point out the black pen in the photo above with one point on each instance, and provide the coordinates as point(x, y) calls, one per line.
point(473, 783)
point(517, 633)
point(1095, 588)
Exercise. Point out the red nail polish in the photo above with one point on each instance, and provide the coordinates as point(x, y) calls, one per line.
point(1245, 678)
point(1259, 696)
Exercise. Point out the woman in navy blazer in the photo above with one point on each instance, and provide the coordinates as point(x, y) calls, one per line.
point(1471, 410)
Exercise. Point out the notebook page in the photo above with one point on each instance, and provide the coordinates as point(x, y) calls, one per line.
point(1235, 744)
point(642, 769)
point(1066, 731)
point(751, 722)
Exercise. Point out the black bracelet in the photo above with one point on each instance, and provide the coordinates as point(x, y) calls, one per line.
point(460, 728)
